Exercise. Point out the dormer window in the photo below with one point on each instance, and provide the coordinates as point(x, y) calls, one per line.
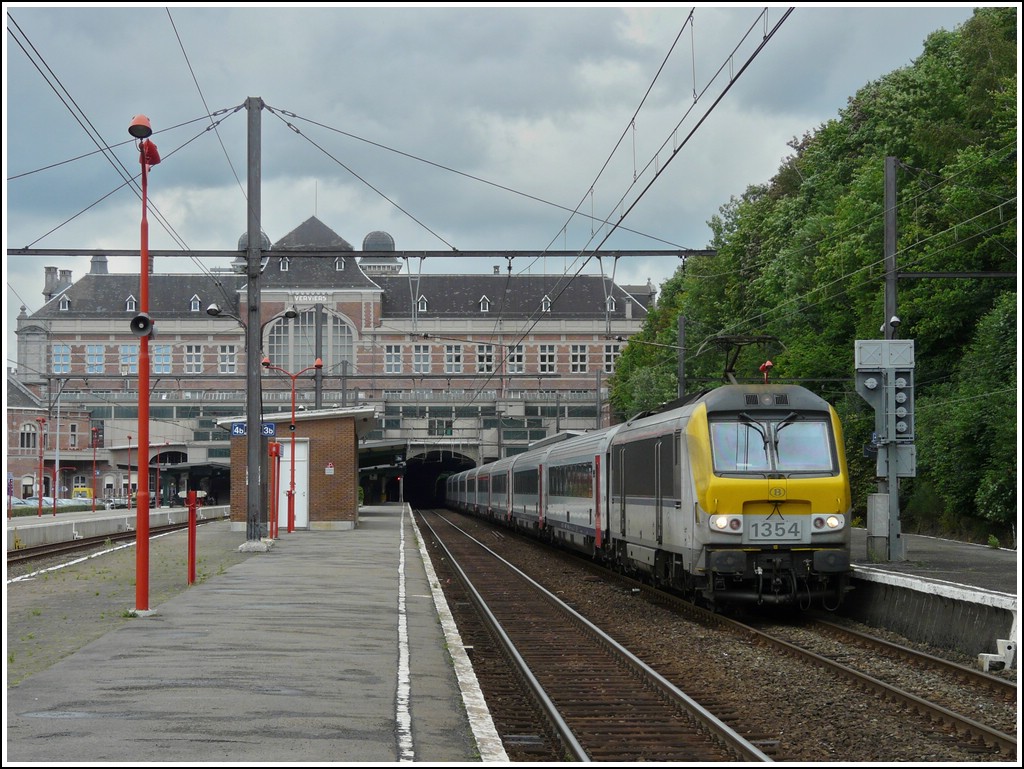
point(65, 304)
point(545, 304)
point(194, 303)
point(609, 304)
point(421, 304)
point(485, 304)
point(339, 264)
point(284, 263)
point(130, 305)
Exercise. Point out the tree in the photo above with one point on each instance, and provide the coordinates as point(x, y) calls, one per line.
point(800, 258)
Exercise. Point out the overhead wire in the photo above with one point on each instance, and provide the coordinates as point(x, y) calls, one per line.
point(352, 172)
point(804, 305)
point(449, 169)
point(768, 35)
point(71, 105)
point(80, 117)
point(206, 106)
point(74, 109)
point(559, 288)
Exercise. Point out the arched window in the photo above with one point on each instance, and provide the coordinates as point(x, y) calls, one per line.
point(284, 263)
point(65, 304)
point(421, 305)
point(545, 304)
point(291, 343)
point(130, 304)
point(485, 304)
point(28, 437)
point(194, 303)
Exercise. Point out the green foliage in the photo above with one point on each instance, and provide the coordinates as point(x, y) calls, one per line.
point(800, 259)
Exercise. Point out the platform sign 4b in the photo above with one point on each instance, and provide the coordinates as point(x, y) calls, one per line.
point(267, 429)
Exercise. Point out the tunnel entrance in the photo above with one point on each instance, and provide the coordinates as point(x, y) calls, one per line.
point(425, 475)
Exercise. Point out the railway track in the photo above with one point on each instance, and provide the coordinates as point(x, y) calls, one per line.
point(895, 700)
point(27, 555)
point(977, 707)
point(948, 702)
point(600, 701)
point(948, 693)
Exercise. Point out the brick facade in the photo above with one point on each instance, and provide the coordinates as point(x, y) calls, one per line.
point(333, 439)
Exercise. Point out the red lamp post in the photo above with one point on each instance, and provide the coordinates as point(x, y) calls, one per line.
point(317, 364)
point(41, 422)
point(95, 432)
point(142, 327)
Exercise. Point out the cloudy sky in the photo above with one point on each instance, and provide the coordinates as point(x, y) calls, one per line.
point(449, 126)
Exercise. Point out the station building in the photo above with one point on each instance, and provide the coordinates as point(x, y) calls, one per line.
point(457, 369)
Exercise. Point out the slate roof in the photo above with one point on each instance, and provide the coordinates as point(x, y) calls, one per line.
point(517, 296)
point(447, 296)
point(312, 272)
point(170, 296)
point(20, 397)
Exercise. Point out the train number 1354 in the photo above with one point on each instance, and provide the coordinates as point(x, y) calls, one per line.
point(776, 530)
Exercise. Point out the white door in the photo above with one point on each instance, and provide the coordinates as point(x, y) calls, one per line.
point(301, 485)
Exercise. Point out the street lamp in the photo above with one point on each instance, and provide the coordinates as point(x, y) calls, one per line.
point(215, 311)
point(142, 327)
point(41, 421)
point(95, 432)
point(317, 364)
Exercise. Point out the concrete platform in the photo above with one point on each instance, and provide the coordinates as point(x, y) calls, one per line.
point(329, 647)
point(951, 595)
point(47, 529)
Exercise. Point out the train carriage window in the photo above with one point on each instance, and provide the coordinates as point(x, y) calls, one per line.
point(525, 482)
point(576, 480)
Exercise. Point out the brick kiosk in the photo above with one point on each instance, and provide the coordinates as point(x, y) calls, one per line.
point(331, 480)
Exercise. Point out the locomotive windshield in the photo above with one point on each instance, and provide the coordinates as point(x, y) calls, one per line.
point(789, 444)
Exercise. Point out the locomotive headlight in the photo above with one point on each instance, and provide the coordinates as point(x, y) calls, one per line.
point(731, 523)
point(832, 522)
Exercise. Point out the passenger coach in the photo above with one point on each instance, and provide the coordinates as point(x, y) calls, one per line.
point(738, 494)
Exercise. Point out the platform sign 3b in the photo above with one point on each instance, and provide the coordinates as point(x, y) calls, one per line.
point(267, 429)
